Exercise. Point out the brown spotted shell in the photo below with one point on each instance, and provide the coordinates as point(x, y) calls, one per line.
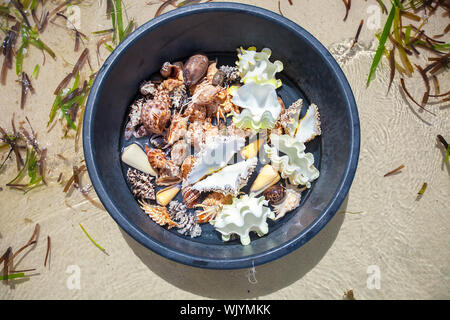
point(205, 94)
point(195, 112)
point(156, 113)
point(218, 78)
point(190, 196)
point(187, 165)
point(275, 194)
point(195, 68)
point(179, 152)
point(156, 158)
point(177, 129)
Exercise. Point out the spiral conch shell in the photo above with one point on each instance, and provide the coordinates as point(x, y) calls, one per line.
point(228, 180)
point(304, 129)
point(290, 202)
point(177, 129)
point(215, 154)
point(155, 113)
point(190, 196)
point(187, 165)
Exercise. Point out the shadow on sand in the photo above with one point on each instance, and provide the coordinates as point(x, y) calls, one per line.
point(235, 284)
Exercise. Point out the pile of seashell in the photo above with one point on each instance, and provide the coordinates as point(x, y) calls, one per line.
point(199, 117)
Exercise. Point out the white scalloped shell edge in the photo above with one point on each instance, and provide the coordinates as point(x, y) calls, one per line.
point(255, 66)
point(296, 165)
point(243, 216)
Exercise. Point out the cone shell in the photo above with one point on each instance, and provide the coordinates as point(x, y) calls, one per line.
point(135, 157)
point(164, 196)
point(267, 177)
point(195, 68)
point(251, 150)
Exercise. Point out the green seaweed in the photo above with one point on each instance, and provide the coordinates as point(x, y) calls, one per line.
point(382, 42)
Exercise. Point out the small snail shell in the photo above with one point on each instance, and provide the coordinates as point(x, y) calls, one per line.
point(218, 78)
point(166, 69)
point(275, 194)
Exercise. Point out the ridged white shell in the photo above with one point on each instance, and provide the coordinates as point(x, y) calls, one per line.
point(255, 66)
point(215, 154)
point(228, 180)
point(296, 165)
point(260, 103)
point(244, 215)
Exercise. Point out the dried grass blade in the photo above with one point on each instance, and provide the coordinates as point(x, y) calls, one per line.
point(5, 259)
point(358, 31)
point(163, 6)
point(63, 83)
point(47, 254)
point(411, 98)
point(394, 171)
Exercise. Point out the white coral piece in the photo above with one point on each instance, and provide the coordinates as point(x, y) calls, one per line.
point(228, 180)
point(260, 103)
point(296, 165)
point(244, 215)
point(255, 66)
point(215, 154)
point(289, 203)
